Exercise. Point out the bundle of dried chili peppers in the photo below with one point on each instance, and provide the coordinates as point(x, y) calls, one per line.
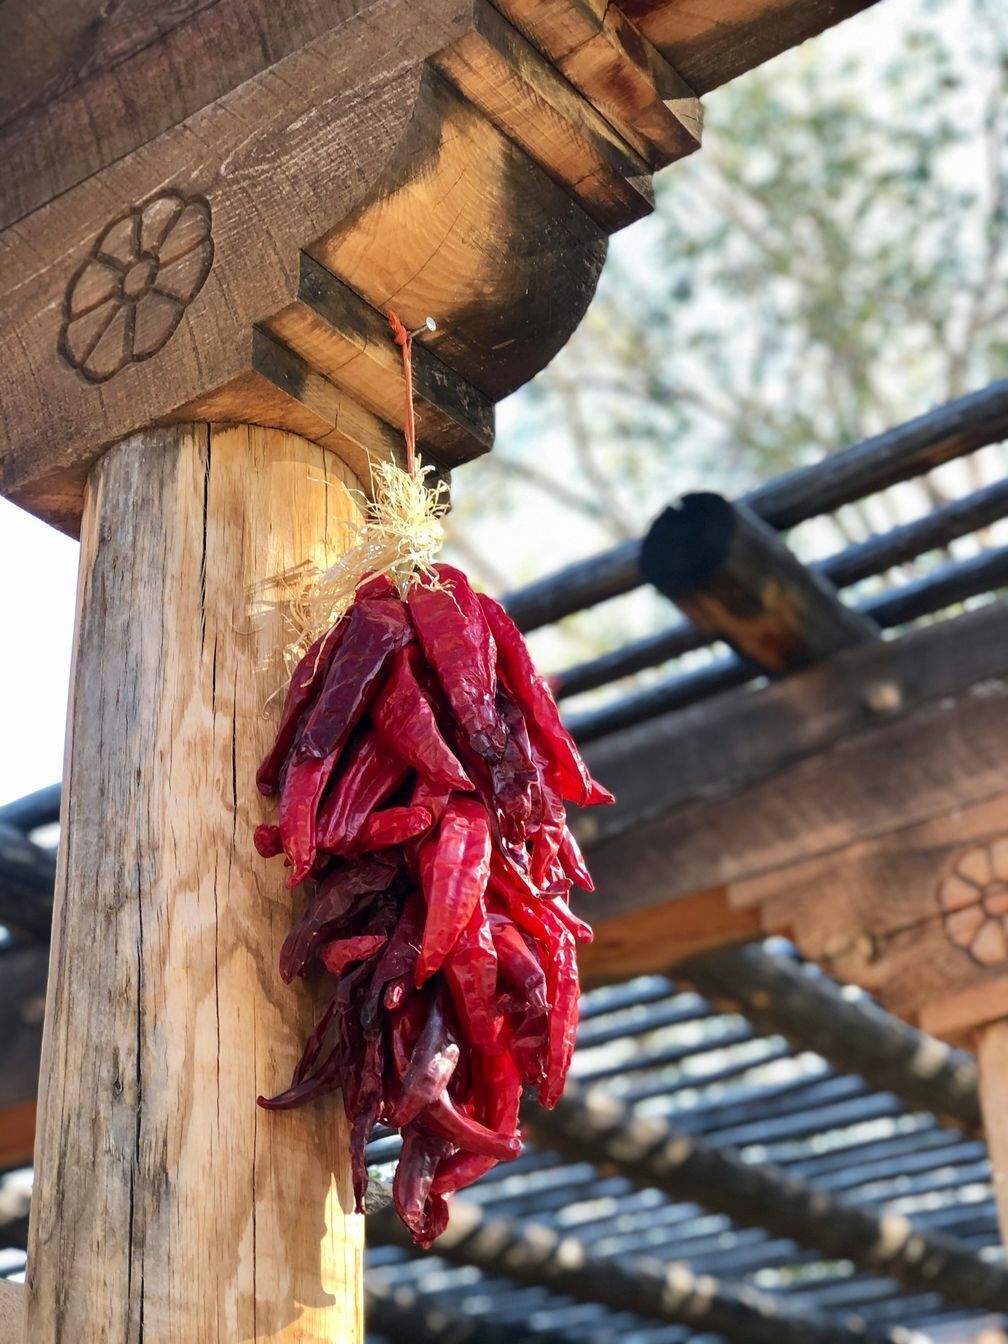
point(422, 771)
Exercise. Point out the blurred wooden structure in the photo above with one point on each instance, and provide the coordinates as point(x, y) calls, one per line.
point(204, 216)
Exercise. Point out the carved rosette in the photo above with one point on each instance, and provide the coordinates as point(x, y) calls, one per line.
point(974, 902)
point(127, 299)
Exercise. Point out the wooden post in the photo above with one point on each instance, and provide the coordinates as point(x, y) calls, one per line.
point(11, 1312)
point(167, 1207)
point(992, 1059)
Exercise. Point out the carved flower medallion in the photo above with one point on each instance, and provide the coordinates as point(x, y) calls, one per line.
point(126, 300)
point(974, 902)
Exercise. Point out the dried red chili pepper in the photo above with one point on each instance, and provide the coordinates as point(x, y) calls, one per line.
point(371, 774)
point(434, 1059)
point(540, 709)
point(339, 953)
point(304, 684)
point(514, 777)
point(393, 827)
point(304, 784)
point(338, 893)
point(562, 981)
point(423, 786)
point(572, 861)
point(499, 1083)
point(444, 1117)
point(454, 868)
point(471, 972)
point(457, 643)
point(375, 630)
point(421, 1154)
point(266, 839)
point(405, 721)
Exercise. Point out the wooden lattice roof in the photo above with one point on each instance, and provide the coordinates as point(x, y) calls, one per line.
point(748, 1119)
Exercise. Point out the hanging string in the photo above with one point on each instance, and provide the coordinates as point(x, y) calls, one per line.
point(404, 339)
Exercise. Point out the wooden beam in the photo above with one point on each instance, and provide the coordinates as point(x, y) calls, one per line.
point(947, 586)
point(747, 739)
point(399, 1313)
point(713, 41)
point(729, 572)
point(861, 560)
point(596, 47)
point(533, 1253)
point(589, 1126)
point(165, 1203)
point(905, 451)
point(856, 1036)
point(638, 942)
point(745, 785)
point(417, 153)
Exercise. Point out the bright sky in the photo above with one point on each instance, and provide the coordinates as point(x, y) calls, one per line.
point(40, 568)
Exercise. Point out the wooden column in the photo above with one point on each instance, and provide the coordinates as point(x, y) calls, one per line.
point(167, 1207)
point(992, 1058)
point(11, 1312)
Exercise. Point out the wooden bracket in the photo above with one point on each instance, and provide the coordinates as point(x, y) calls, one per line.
point(231, 252)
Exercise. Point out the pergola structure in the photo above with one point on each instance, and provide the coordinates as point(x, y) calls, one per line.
point(203, 220)
point(853, 1179)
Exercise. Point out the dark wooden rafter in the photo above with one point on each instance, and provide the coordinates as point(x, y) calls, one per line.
point(944, 587)
point(401, 1315)
point(854, 1034)
point(534, 1253)
point(901, 453)
point(730, 573)
point(591, 1126)
point(861, 560)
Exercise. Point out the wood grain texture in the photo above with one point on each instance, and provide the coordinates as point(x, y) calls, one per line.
point(521, 94)
point(115, 79)
point(277, 163)
point(348, 342)
point(12, 1297)
point(621, 73)
point(654, 940)
point(465, 228)
point(992, 1058)
point(916, 915)
point(721, 746)
point(168, 1207)
point(712, 41)
point(443, 213)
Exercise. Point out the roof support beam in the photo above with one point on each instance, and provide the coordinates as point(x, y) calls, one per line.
point(879, 737)
point(853, 1034)
point(899, 454)
point(732, 575)
point(594, 1127)
point(532, 1253)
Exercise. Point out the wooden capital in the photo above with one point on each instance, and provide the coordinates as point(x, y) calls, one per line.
point(226, 250)
point(167, 1206)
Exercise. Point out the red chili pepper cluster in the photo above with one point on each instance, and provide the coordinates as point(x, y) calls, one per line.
point(422, 770)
